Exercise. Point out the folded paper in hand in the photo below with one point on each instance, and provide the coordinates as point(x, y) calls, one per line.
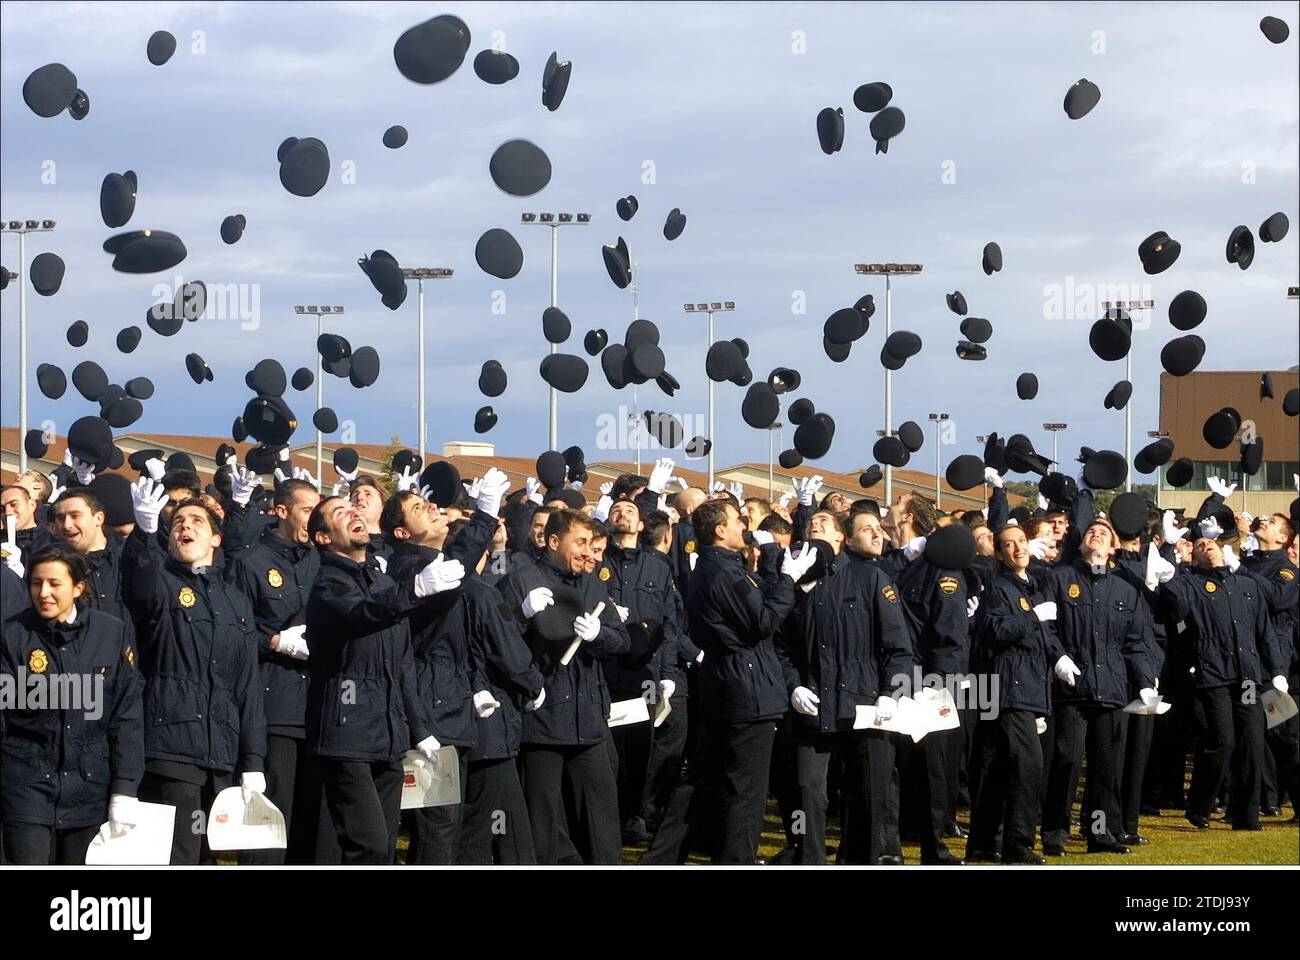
point(148, 843)
point(623, 712)
point(932, 710)
point(1278, 707)
point(430, 783)
point(235, 825)
point(1152, 708)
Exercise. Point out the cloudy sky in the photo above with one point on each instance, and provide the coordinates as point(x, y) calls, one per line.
point(1198, 130)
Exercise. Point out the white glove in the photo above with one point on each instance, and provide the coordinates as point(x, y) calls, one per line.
point(14, 559)
point(382, 562)
point(1067, 671)
point(408, 480)
point(586, 626)
point(1250, 544)
point(784, 500)
point(667, 688)
point(279, 476)
point(607, 488)
point(663, 469)
point(251, 783)
point(1042, 502)
point(536, 704)
point(429, 746)
point(147, 500)
point(1148, 695)
point(764, 537)
point(1216, 485)
point(242, 484)
point(695, 558)
point(123, 813)
point(56, 490)
point(336, 490)
point(441, 574)
point(293, 642)
point(426, 493)
point(601, 510)
point(302, 473)
point(681, 482)
point(1045, 611)
point(795, 565)
point(737, 490)
point(1280, 684)
point(913, 548)
point(155, 468)
point(348, 477)
point(699, 657)
point(992, 478)
point(472, 487)
point(485, 704)
point(623, 612)
point(1170, 530)
point(1159, 570)
point(884, 707)
point(533, 490)
point(718, 486)
point(85, 471)
point(538, 599)
point(1210, 528)
point(972, 605)
point(804, 701)
point(805, 488)
point(1230, 559)
point(492, 490)
point(1039, 546)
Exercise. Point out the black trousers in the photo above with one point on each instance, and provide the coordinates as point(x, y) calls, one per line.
point(868, 758)
point(783, 779)
point(1229, 747)
point(1098, 730)
point(631, 743)
point(1137, 756)
point(1008, 779)
point(365, 803)
point(39, 845)
point(1284, 744)
point(719, 806)
point(663, 771)
point(192, 802)
point(595, 801)
point(930, 788)
point(288, 764)
point(495, 827)
point(436, 831)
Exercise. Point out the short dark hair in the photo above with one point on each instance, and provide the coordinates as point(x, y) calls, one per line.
point(626, 484)
point(182, 480)
point(365, 480)
point(561, 521)
point(865, 505)
point(654, 525)
point(394, 513)
point(599, 531)
point(87, 494)
point(78, 568)
point(973, 519)
point(287, 491)
point(924, 514)
point(840, 520)
point(710, 515)
point(214, 521)
point(316, 522)
point(774, 523)
point(221, 479)
point(16, 486)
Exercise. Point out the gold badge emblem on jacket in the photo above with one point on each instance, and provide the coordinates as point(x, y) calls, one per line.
point(38, 662)
point(690, 546)
point(1024, 605)
point(186, 597)
point(1074, 591)
point(948, 585)
point(1210, 587)
point(604, 573)
point(1286, 574)
point(890, 594)
point(275, 578)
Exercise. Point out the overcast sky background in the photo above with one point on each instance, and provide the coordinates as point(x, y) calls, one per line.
point(715, 97)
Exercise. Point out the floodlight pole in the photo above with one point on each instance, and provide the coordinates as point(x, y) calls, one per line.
point(22, 228)
point(419, 275)
point(1130, 306)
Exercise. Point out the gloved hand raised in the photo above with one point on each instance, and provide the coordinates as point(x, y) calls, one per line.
point(795, 565)
point(147, 500)
point(1170, 530)
point(972, 605)
point(663, 469)
point(533, 490)
point(1210, 528)
point(242, 484)
point(805, 489)
point(155, 468)
point(993, 478)
point(408, 479)
point(1216, 485)
point(1158, 569)
point(492, 490)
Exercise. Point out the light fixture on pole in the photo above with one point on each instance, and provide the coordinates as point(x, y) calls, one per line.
point(888, 271)
point(937, 418)
point(555, 221)
point(1054, 429)
point(710, 308)
point(22, 228)
point(318, 312)
point(419, 275)
point(771, 482)
point(1131, 306)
